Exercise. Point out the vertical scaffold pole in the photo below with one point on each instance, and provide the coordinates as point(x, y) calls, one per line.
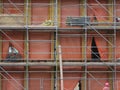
point(56, 43)
point(61, 68)
point(115, 71)
point(85, 48)
point(27, 45)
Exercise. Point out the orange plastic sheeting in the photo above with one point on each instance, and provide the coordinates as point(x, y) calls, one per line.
point(97, 11)
point(40, 46)
point(69, 68)
point(10, 37)
point(71, 80)
point(94, 83)
point(9, 6)
point(40, 67)
point(118, 68)
point(14, 68)
point(102, 46)
point(69, 8)
point(88, 48)
point(117, 83)
point(118, 8)
point(40, 11)
point(71, 47)
point(13, 82)
point(40, 81)
point(118, 45)
point(94, 68)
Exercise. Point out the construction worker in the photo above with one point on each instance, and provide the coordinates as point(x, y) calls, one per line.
point(79, 84)
point(106, 87)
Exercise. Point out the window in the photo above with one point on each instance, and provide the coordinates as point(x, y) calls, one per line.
point(94, 51)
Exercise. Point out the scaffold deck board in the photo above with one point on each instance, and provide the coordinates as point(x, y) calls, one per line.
point(26, 27)
point(64, 63)
point(39, 27)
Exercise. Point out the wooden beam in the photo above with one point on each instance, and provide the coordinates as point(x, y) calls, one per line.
point(110, 46)
point(83, 79)
point(26, 74)
point(51, 10)
point(59, 12)
point(110, 10)
point(27, 14)
point(82, 8)
point(111, 78)
point(1, 6)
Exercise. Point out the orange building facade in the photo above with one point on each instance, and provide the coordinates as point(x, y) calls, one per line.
point(63, 44)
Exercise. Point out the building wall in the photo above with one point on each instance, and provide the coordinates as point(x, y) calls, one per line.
point(75, 44)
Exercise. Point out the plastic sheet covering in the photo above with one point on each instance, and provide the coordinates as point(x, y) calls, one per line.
point(96, 80)
point(70, 68)
point(71, 80)
point(97, 11)
point(102, 46)
point(13, 84)
point(117, 84)
point(40, 81)
point(40, 49)
point(15, 38)
point(71, 46)
point(118, 8)
point(118, 46)
point(9, 6)
point(40, 11)
point(69, 8)
point(88, 49)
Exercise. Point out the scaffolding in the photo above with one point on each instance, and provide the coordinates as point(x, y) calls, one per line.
point(79, 40)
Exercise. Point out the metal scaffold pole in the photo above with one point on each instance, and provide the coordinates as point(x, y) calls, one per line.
point(85, 76)
point(27, 47)
point(55, 45)
point(115, 71)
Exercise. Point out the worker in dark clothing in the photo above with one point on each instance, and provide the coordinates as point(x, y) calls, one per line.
point(79, 85)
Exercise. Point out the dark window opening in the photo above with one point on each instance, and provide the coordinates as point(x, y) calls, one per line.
point(13, 54)
point(94, 51)
point(79, 85)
